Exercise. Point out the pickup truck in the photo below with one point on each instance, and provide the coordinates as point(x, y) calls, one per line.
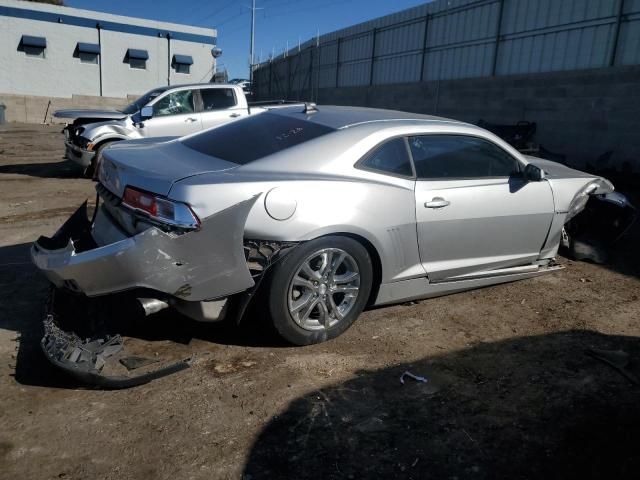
point(171, 111)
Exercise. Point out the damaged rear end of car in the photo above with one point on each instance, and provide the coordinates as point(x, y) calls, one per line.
point(139, 250)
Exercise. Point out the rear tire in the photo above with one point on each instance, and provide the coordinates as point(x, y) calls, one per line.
point(318, 289)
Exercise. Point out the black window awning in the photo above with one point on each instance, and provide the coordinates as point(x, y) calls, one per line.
point(88, 48)
point(138, 54)
point(183, 59)
point(30, 41)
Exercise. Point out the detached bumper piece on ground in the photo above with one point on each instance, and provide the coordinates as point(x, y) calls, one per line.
point(100, 359)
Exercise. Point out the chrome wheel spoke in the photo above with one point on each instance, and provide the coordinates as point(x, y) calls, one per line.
point(336, 265)
point(299, 281)
point(301, 303)
point(334, 308)
point(348, 277)
point(323, 318)
point(309, 309)
point(346, 289)
point(310, 272)
point(327, 257)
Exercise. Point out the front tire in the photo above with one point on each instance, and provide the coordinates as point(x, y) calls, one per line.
point(318, 290)
point(92, 170)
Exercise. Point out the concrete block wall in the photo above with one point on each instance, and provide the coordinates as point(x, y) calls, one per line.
point(581, 114)
point(35, 109)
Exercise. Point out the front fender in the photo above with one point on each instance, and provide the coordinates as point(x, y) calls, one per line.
point(110, 131)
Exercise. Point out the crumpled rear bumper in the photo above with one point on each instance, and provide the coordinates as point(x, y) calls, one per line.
point(98, 259)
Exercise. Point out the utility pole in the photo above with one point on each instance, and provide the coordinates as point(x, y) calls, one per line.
point(253, 27)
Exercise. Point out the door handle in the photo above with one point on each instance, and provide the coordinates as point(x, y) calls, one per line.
point(234, 115)
point(191, 120)
point(437, 202)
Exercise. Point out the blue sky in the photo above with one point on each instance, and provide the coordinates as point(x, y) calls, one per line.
point(279, 21)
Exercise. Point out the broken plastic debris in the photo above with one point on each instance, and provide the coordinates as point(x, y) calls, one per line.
point(411, 375)
point(132, 362)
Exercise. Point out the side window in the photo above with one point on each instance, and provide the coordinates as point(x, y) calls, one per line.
point(174, 103)
point(217, 98)
point(460, 156)
point(391, 158)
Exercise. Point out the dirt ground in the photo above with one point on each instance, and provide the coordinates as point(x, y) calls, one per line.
point(510, 392)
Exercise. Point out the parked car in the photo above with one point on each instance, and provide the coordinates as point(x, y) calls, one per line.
point(320, 213)
point(173, 111)
point(244, 83)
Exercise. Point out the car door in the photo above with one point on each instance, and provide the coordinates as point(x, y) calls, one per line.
point(174, 114)
point(219, 106)
point(474, 210)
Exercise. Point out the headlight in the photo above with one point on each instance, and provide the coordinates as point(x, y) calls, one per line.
point(82, 142)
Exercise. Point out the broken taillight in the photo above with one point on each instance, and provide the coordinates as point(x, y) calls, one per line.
point(166, 211)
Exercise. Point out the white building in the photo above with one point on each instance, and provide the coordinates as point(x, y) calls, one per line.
point(53, 51)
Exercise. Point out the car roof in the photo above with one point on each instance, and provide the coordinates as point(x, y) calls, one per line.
point(340, 117)
point(197, 85)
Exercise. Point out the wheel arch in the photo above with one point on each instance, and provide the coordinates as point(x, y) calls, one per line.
point(102, 141)
point(375, 261)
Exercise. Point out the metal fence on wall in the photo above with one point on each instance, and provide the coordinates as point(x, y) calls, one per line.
point(450, 39)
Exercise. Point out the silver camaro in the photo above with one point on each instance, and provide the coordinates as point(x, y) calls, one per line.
point(324, 211)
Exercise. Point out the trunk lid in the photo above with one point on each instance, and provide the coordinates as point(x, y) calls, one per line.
point(154, 165)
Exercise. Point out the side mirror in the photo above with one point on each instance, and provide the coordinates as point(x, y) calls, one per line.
point(533, 173)
point(146, 112)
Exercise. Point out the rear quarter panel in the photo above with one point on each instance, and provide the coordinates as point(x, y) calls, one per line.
point(382, 213)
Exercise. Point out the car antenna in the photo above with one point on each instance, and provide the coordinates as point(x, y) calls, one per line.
point(310, 107)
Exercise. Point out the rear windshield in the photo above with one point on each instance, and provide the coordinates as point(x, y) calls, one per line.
point(256, 137)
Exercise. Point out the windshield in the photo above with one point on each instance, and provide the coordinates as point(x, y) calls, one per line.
point(255, 137)
point(142, 101)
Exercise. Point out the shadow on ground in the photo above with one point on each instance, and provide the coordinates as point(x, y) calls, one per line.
point(60, 169)
point(535, 407)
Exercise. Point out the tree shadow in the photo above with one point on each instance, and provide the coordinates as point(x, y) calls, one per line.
point(61, 169)
point(532, 407)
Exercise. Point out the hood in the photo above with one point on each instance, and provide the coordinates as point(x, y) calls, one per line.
point(555, 169)
point(154, 165)
point(88, 113)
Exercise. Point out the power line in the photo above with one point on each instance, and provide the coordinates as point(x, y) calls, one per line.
point(306, 9)
point(229, 19)
point(281, 3)
point(216, 12)
point(193, 14)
